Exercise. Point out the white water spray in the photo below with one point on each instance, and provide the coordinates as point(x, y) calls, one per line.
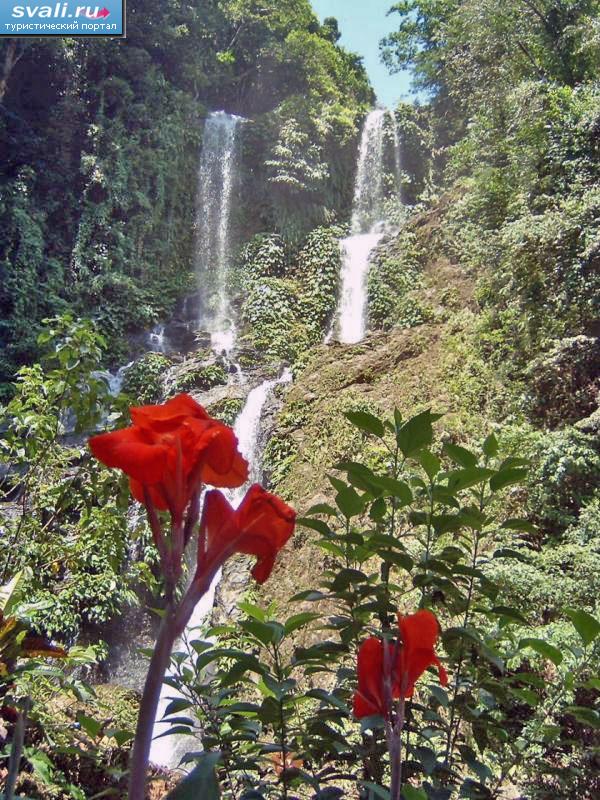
point(218, 181)
point(366, 231)
point(167, 751)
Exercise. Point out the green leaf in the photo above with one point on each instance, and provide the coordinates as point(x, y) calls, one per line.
point(91, 726)
point(375, 790)
point(543, 648)
point(507, 477)
point(378, 509)
point(256, 612)
point(460, 455)
point(315, 525)
point(490, 446)
point(321, 508)
point(366, 422)
point(465, 478)
point(430, 463)
point(299, 621)
point(9, 592)
point(586, 626)
point(350, 502)
point(416, 433)
point(509, 613)
point(587, 716)
point(201, 782)
point(518, 524)
point(398, 489)
point(411, 793)
point(265, 632)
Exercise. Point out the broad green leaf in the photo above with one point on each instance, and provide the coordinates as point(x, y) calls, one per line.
point(8, 593)
point(366, 422)
point(518, 524)
point(460, 479)
point(350, 503)
point(587, 716)
point(586, 626)
point(378, 509)
point(201, 782)
point(507, 477)
point(416, 433)
point(321, 508)
point(176, 705)
point(91, 726)
point(460, 455)
point(375, 790)
point(411, 793)
point(256, 612)
point(299, 621)
point(397, 489)
point(315, 525)
point(543, 648)
point(430, 463)
point(490, 446)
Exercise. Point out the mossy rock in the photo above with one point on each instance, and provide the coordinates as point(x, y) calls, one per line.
point(200, 378)
point(227, 409)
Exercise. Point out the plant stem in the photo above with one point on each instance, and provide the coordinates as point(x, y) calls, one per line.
point(396, 751)
point(149, 704)
point(16, 752)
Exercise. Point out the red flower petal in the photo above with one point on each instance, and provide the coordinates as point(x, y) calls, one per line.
point(167, 416)
point(362, 707)
point(419, 633)
point(259, 527)
point(129, 450)
point(266, 524)
point(156, 495)
point(370, 677)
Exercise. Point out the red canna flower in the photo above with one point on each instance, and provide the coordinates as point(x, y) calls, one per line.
point(260, 527)
point(369, 697)
point(170, 450)
point(408, 660)
point(419, 633)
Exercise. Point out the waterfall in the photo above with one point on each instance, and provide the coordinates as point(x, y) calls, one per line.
point(156, 339)
point(397, 153)
point(366, 230)
point(367, 207)
point(218, 182)
point(167, 751)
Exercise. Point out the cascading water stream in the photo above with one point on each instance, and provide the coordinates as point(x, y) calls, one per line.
point(218, 181)
point(167, 750)
point(367, 228)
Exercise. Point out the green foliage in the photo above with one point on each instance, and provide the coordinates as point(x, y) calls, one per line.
point(226, 409)
point(65, 523)
point(290, 292)
point(392, 276)
point(143, 380)
point(566, 477)
point(200, 378)
point(270, 697)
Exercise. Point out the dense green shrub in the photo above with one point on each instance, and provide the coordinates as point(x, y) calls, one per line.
point(69, 533)
point(226, 409)
point(286, 314)
point(201, 378)
point(143, 380)
point(392, 276)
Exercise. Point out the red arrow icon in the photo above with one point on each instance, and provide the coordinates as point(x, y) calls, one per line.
point(102, 13)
